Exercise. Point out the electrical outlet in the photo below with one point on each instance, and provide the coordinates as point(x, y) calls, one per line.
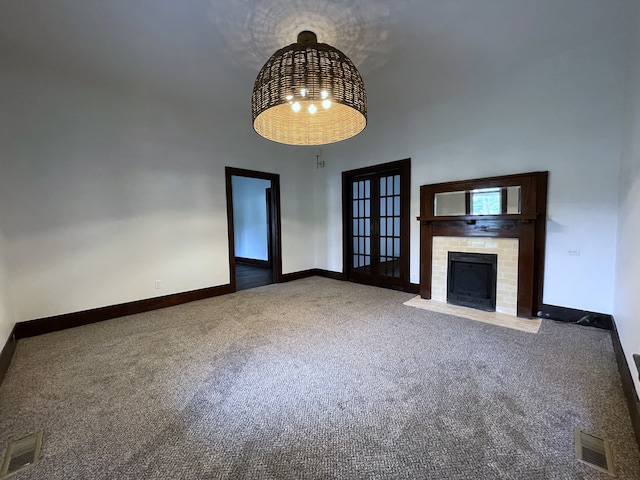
point(158, 284)
point(573, 252)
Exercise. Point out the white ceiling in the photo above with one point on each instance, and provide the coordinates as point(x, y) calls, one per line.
point(209, 51)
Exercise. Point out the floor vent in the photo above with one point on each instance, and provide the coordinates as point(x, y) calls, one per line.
point(594, 451)
point(21, 454)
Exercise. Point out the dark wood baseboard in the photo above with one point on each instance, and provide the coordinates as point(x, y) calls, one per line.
point(627, 382)
point(572, 315)
point(60, 322)
point(329, 274)
point(7, 354)
point(290, 277)
point(253, 262)
point(312, 272)
point(56, 323)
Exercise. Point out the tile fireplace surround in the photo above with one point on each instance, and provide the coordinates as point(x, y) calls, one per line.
point(507, 278)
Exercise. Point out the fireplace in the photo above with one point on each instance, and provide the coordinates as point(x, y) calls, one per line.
point(522, 222)
point(472, 279)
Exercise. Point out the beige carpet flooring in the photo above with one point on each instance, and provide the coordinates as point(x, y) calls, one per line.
point(314, 379)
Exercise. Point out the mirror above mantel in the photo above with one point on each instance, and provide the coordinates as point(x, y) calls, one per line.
point(513, 197)
point(478, 201)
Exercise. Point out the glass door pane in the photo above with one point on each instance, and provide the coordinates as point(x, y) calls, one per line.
point(361, 258)
point(389, 256)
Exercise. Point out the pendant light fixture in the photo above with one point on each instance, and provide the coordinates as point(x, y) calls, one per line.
point(309, 93)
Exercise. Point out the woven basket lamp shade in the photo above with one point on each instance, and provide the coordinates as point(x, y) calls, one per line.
point(309, 93)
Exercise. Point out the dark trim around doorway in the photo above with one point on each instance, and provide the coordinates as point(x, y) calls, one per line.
point(275, 240)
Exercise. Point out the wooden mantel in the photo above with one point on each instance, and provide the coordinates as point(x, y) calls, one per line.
point(528, 226)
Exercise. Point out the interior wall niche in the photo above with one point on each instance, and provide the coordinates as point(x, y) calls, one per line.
point(523, 219)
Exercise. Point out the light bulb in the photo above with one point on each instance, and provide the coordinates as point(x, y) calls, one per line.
point(324, 94)
point(303, 92)
point(326, 103)
point(295, 107)
point(312, 109)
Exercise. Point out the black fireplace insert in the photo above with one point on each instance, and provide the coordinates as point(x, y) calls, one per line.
point(472, 279)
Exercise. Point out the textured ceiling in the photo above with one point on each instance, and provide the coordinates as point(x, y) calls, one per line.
point(209, 51)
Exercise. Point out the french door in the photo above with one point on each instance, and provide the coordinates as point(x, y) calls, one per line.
point(376, 225)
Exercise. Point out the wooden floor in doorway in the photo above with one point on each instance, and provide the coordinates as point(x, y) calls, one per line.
point(251, 276)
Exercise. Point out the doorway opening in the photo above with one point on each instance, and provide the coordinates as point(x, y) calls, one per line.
point(253, 221)
point(376, 224)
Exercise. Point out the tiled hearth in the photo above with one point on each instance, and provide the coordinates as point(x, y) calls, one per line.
point(507, 281)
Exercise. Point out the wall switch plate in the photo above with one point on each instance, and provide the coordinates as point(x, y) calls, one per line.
point(573, 252)
point(158, 284)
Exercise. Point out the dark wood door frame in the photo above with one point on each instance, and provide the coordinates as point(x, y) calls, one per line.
point(274, 240)
point(404, 167)
point(270, 215)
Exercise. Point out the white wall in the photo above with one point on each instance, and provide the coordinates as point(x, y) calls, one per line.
point(250, 227)
point(627, 284)
point(6, 316)
point(561, 114)
point(106, 189)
